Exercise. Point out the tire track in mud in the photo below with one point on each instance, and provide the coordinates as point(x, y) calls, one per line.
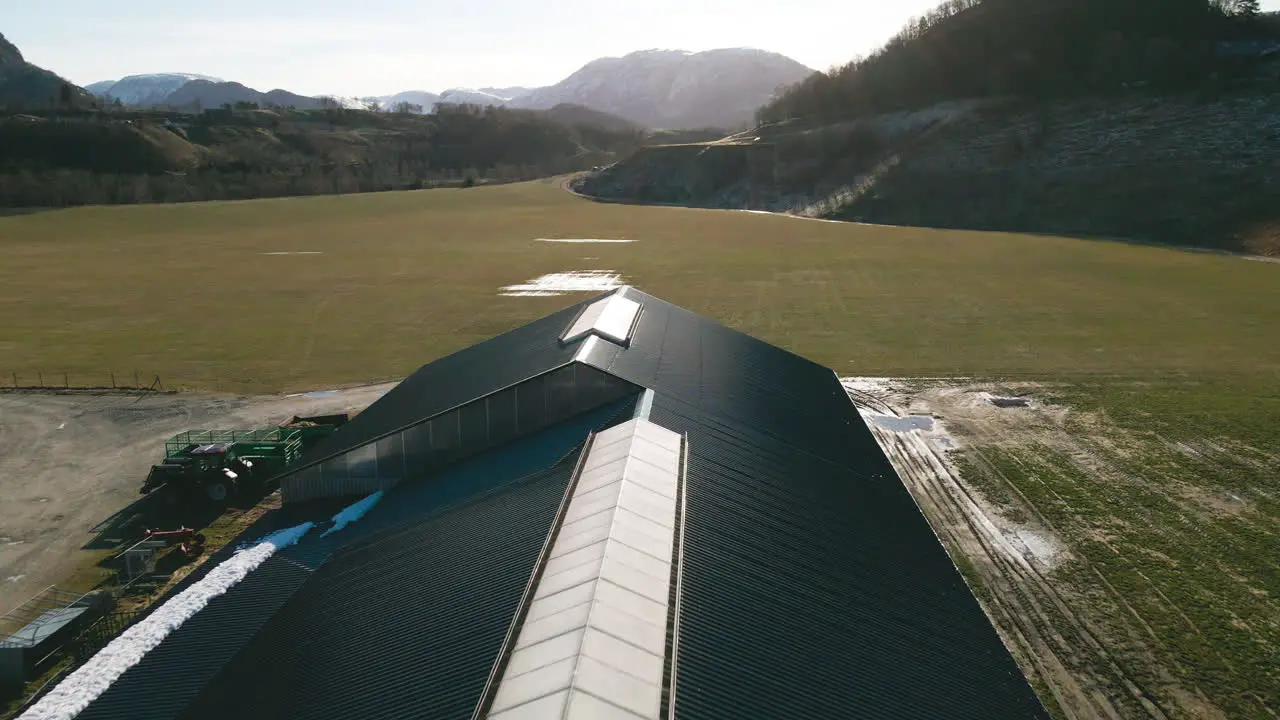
point(1087, 453)
point(1085, 633)
point(1022, 601)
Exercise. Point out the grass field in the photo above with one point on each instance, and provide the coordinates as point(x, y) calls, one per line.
point(185, 291)
point(1169, 348)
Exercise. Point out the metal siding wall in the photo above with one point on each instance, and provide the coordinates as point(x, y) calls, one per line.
point(362, 465)
point(459, 433)
point(446, 436)
point(474, 423)
point(417, 448)
point(502, 415)
point(559, 389)
point(531, 404)
point(390, 460)
point(299, 486)
point(450, 381)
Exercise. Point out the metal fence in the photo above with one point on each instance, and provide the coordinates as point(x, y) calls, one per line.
point(49, 599)
point(133, 381)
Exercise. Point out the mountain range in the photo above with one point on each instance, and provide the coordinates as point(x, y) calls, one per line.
point(675, 88)
point(653, 88)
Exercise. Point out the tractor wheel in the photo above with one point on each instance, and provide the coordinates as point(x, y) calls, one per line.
point(217, 491)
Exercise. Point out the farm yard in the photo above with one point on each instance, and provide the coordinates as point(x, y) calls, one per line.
point(1141, 488)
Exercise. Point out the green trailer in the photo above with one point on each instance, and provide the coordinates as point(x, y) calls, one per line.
point(216, 464)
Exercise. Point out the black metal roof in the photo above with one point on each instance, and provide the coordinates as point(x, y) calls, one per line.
point(456, 379)
point(403, 623)
point(171, 676)
point(730, 374)
point(813, 587)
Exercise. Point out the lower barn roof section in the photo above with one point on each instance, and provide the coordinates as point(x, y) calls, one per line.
point(171, 676)
point(405, 623)
point(813, 592)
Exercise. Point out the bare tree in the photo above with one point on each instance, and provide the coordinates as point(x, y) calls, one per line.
point(406, 108)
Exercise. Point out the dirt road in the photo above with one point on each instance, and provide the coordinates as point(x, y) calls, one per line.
point(68, 461)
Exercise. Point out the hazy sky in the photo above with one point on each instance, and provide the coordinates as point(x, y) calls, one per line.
point(375, 47)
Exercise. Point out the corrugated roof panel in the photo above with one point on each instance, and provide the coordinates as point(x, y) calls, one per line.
point(404, 623)
point(176, 670)
point(720, 370)
point(810, 591)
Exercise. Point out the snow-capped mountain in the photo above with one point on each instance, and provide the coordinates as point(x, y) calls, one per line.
point(675, 89)
point(508, 92)
point(672, 89)
point(414, 97)
point(149, 89)
point(468, 96)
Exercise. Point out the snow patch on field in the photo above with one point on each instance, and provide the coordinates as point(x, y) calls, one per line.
point(582, 240)
point(919, 447)
point(353, 512)
point(566, 282)
point(83, 686)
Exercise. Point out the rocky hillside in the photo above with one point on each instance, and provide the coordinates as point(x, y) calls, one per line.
point(23, 85)
point(1186, 171)
point(674, 88)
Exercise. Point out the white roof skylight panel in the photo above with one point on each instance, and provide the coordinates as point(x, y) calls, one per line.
point(611, 318)
point(617, 318)
point(586, 321)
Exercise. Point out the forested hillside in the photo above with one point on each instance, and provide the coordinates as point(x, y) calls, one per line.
point(1049, 49)
point(1150, 119)
point(25, 85)
point(59, 158)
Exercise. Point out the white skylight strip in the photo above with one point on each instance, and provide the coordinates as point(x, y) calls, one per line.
point(593, 642)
